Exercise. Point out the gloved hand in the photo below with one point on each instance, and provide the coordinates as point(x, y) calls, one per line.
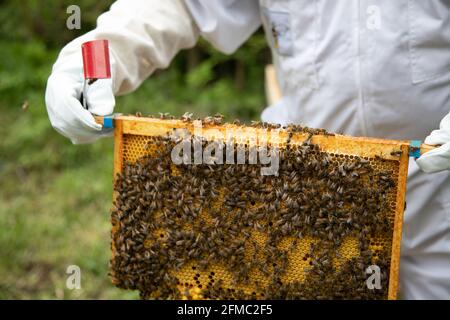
point(62, 97)
point(439, 158)
point(144, 35)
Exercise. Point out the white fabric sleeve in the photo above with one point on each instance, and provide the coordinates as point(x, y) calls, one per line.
point(226, 24)
point(144, 35)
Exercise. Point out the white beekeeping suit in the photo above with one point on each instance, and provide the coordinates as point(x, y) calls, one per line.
point(363, 68)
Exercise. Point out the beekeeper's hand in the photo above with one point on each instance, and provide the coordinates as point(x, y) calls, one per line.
point(63, 94)
point(143, 35)
point(439, 158)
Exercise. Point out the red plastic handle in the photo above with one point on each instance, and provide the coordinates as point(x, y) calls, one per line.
point(96, 59)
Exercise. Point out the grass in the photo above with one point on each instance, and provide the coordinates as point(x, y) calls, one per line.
point(55, 197)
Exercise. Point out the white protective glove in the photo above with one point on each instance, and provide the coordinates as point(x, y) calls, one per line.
point(439, 158)
point(62, 97)
point(143, 35)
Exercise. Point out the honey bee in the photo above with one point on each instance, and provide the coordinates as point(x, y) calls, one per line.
point(187, 116)
point(396, 153)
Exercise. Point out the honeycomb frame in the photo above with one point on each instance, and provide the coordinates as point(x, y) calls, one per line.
point(131, 135)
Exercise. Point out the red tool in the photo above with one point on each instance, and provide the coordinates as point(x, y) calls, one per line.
point(96, 64)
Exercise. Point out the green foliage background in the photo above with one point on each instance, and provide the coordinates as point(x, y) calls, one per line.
point(54, 196)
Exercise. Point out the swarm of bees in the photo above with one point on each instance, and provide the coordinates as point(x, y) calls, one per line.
point(228, 232)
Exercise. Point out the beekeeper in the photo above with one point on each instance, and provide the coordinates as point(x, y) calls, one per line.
point(361, 67)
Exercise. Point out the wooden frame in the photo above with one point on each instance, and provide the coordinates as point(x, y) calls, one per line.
point(364, 147)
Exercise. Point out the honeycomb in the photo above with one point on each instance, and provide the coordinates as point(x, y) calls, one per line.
point(138, 140)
